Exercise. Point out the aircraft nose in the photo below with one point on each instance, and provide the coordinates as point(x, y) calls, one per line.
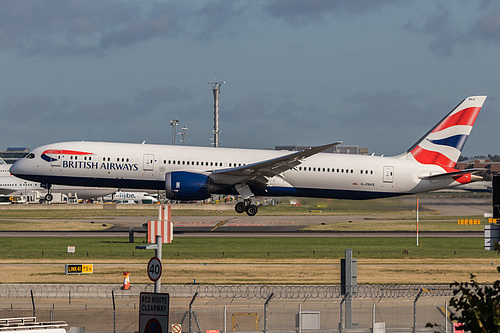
point(17, 168)
point(14, 168)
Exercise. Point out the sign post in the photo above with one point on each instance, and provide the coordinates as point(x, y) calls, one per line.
point(158, 257)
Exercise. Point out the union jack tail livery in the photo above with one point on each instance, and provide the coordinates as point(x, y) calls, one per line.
point(443, 144)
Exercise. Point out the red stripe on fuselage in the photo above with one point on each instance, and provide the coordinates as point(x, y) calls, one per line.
point(465, 117)
point(66, 152)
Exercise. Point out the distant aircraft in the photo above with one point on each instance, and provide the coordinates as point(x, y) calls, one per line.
point(137, 197)
point(11, 185)
point(195, 173)
point(4, 168)
point(483, 186)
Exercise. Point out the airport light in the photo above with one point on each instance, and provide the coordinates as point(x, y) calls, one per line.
point(173, 123)
point(216, 90)
point(183, 135)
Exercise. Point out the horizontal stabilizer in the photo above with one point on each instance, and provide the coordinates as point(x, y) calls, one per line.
point(453, 174)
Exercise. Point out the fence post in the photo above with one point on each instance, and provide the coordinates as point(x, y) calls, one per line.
point(341, 323)
point(300, 318)
point(114, 311)
point(33, 302)
point(265, 311)
point(225, 319)
point(373, 317)
point(191, 312)
point(446, 316)
point(415, 311)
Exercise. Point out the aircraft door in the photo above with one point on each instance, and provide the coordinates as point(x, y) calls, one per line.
point(148, 162)
point(388, 174)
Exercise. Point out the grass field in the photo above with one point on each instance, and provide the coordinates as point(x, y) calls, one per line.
point(251, 260)
point(215, 248)
point(290, 260)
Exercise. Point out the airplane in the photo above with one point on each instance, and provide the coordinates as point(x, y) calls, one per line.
point(195, 173)
point(11, 185)
point(483, 186)
point(4, 168)
point(139, 197)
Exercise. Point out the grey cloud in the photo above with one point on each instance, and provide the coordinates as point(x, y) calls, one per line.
point(73, 27)
point(304, 12)
point(387, 116)
point(32, 109)
point(488, 27)
point(392, 107)
point(48, 25)
point(220, 18)
point(165, 94)
point(440, 26)
point(105, 115)
point(159, 21)
point(445, 33)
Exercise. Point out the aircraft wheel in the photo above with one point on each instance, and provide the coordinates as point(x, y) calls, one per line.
point(240, 207)
point(49, 197)
point(252, 210)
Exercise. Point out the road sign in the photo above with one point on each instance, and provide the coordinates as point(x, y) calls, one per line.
point(153, 326)
point(153, 312)
point(79, 269)
point(154, 269)
point(176, 328)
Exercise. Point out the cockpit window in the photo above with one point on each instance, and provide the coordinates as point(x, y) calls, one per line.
point(30, 156)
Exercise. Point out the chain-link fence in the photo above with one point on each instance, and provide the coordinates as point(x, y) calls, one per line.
point(222, 291)
point(235, 308)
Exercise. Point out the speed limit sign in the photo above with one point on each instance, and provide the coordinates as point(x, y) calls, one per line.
point(154, 269)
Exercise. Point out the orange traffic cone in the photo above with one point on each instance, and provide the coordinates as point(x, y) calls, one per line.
point(126, 281)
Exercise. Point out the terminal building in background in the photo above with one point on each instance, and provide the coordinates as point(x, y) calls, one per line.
point(344, 149)
point(13, 154)
point(491, 168)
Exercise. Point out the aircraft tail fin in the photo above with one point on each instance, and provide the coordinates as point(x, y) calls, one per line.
point(443, 144)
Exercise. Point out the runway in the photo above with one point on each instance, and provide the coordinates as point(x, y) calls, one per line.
point(241, 225)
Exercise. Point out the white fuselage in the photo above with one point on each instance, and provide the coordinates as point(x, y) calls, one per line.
point(143, 166)
point(11, 185)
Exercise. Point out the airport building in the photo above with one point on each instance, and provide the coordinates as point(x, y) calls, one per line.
point(340, 149)
point(492, 168)
point(13, 154)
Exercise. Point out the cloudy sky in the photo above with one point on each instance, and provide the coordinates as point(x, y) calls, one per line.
point(378, 74)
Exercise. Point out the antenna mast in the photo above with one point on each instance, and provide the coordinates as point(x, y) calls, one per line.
point(216, 90)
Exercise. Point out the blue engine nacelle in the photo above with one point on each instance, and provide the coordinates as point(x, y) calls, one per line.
point(185, 186)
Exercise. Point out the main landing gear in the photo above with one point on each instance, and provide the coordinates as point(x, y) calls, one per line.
point(247, 206)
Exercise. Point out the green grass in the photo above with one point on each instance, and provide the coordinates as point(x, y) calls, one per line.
point(406, 225)
point(207, 248)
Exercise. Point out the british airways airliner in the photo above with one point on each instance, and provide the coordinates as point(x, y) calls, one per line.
point(195, 173)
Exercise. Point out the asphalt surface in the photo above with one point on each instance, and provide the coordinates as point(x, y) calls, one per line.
point(241, 225)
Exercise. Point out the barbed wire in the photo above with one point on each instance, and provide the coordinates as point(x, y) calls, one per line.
point(223, 291)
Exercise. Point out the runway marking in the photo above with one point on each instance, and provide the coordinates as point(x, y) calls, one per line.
point(228, 222)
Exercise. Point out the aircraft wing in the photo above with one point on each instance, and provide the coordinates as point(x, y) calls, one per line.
point(453, 174)
point(260, 171)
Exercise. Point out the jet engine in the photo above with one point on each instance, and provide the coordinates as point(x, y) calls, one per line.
point(185, 186)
